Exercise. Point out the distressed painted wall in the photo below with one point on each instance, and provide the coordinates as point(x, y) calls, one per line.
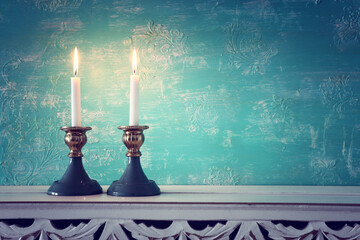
point(234, 92)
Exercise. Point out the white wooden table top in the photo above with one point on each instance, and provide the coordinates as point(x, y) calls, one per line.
point(339, 195)
point(303, 203)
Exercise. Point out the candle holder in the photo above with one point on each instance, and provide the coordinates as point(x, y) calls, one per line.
point(75, 181)
point(133, 182)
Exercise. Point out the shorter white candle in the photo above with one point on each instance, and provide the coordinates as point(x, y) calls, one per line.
point(75, 95)
point(134, 94)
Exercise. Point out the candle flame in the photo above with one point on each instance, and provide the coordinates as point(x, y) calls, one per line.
point(134, 63)
point(76, 62)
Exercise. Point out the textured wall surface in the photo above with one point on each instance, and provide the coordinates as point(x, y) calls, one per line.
point(234, 92)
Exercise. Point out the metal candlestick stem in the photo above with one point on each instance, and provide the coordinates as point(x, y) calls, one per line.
point(133, 182)
point(75, 181)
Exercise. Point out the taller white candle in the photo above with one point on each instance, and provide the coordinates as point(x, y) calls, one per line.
point(75, 94)
point(134, 93)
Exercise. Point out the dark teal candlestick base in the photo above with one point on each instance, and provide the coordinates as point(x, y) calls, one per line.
point(133, 183)
point(75, 181)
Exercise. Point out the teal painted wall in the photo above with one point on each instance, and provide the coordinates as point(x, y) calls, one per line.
point(234, 92)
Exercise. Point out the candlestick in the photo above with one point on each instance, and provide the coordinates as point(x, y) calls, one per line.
point(133, 182)
point(75, 94)
point(134, 94)
point(75, 181)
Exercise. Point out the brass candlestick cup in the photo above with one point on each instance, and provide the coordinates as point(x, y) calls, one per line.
point(133, 182)
point(75, 181)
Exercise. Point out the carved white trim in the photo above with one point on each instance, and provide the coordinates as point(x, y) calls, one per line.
point(44, 229)
point(114, 229)
point(312, 230)
point(249, 230)
point(181, 229)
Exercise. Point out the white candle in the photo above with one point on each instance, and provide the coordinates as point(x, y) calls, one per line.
point(134, 94)
point(75, 95)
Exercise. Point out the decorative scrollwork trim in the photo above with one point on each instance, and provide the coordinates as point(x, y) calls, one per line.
point(179, 229)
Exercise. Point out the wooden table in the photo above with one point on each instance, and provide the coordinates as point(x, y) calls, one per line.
point(215, 212)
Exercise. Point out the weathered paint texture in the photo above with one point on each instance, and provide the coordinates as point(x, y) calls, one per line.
point(234, 92)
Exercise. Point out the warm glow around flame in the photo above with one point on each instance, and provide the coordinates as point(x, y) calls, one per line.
point(134, 59)
point(76, 62)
